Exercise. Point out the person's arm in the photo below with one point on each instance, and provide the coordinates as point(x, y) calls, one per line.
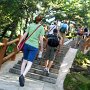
point(41, 43)
point(67, 29)
point(46, 43)
point(42, 33)
point(58, 49)
point(60, 44)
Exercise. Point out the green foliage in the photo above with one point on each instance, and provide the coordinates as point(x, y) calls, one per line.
point(82, 59)
point(70, 83)
point(16, 10)
point(10, 49)
point(79, 80)
point(76, 81)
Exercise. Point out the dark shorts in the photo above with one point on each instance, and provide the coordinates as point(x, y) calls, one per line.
point(50, 53)
point(29, 52)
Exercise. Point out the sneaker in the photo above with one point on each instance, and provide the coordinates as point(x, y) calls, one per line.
point(47, 73)
point(21, 80)
point(45, 69)
point(48, 70)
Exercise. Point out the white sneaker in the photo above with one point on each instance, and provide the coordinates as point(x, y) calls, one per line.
point(45, 69)
point(48, 70)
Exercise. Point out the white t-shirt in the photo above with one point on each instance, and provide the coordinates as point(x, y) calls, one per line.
point(51, 28)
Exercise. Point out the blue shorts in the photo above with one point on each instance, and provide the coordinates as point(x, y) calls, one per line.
point(29, 52)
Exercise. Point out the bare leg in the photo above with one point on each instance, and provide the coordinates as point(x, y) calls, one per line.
point(50, 64)
point(46, 63)
point(28, 67)
point(24, 62)
point(62, 41)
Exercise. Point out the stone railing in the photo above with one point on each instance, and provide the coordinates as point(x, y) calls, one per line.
point(64, 68)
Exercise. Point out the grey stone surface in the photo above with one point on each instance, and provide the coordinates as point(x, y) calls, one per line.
point(64, 68)
point(9, 81)
point(35, 76)
point(48, 86)
point(37, 71)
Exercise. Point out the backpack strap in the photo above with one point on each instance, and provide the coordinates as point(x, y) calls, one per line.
point(51, 29)
point(32, 33)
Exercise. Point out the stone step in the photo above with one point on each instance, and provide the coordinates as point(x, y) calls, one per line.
point(56, 61)
point(72, 44)
point(63, 51)
point(57, 67)
point(34, 76)
point(39, 67)
point(36, 63)
point(38, 71)
point(52, 70)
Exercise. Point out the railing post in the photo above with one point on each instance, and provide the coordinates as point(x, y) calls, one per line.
point(86, 45)
point(3, 50)
point(15, 49)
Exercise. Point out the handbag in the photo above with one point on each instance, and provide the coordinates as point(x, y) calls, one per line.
point(21, 45)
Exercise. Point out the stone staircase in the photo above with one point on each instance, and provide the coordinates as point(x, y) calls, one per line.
point(36, 71)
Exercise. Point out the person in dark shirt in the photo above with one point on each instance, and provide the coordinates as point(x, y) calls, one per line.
point(85, 32)
point(51, 52)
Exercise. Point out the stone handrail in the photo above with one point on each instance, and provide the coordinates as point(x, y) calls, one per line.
point(64, 68)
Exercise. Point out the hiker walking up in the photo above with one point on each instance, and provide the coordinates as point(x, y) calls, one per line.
point(52, 47)
point(86, 31)
point(80, 33)
point(63, 30)
point(51, 28)
point(31, 46)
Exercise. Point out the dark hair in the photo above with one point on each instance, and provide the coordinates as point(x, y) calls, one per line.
point(55, 31)
point(55, 23)
point(38, 19)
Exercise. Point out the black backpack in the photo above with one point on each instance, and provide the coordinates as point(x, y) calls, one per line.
point(53, 41)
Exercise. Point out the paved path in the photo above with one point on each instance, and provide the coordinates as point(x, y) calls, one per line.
point(9, 81)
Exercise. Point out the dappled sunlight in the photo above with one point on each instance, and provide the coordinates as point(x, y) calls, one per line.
point(63, 65)
point(17, 17)
point(9, 78)
point(65, 70)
